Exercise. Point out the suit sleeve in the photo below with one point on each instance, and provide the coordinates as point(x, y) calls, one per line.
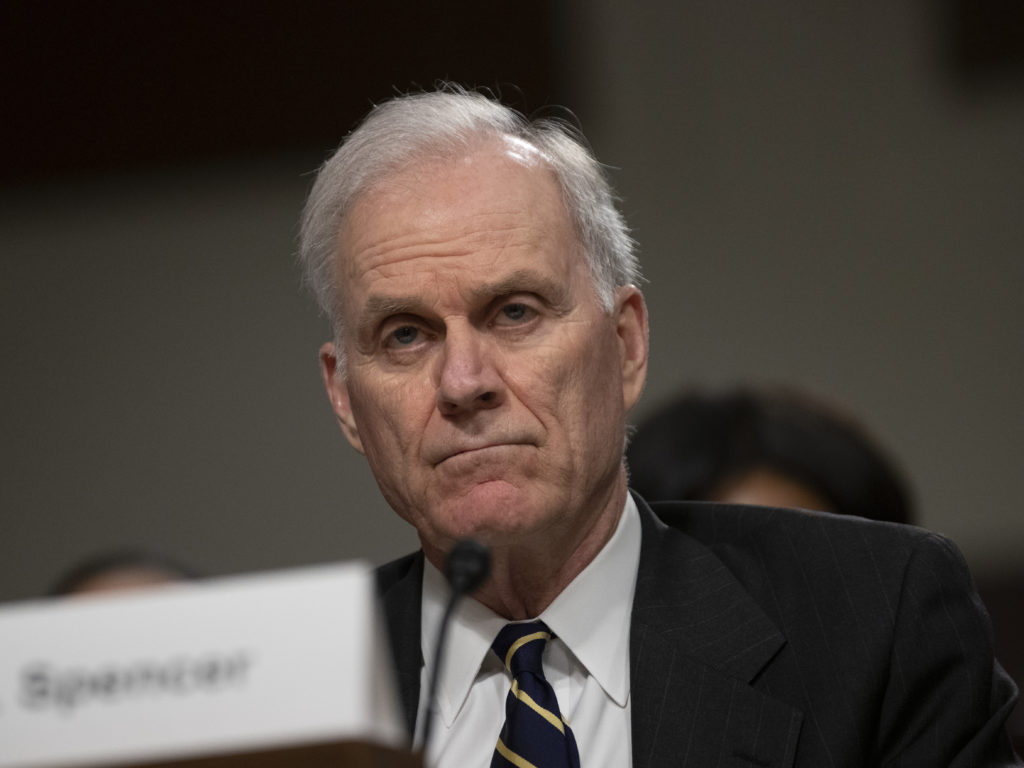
point(946, 701)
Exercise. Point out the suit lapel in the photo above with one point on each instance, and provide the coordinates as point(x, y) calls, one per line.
point(697, 641)
point(400, 585)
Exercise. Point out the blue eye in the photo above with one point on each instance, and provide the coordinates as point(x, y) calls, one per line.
point(405, 335)
point(515, 311)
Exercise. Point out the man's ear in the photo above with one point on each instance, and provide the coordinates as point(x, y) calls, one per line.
point(634, 341)
point(337, 392)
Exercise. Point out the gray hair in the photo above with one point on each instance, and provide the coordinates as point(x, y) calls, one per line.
point(447, 123)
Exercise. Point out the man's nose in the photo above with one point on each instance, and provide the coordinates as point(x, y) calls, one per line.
point(469, 380)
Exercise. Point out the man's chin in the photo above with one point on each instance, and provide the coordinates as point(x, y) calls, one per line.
point(494, 513)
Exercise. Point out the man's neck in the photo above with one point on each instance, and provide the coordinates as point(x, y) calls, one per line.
point(526, 577)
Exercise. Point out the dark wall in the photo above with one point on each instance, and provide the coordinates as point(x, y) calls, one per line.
point(121, 84)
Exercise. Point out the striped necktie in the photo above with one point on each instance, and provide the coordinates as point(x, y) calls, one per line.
point(535, 734)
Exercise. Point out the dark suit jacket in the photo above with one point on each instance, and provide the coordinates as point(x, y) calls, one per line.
point(770, 637)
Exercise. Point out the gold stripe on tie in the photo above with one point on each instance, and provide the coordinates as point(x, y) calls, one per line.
point(547, 714)
point(512, 757)
point(520, 643)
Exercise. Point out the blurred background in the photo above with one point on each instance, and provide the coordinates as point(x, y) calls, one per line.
point(828, 195)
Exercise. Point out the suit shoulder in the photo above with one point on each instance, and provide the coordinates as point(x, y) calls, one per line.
point(712, 523)
point(395, 572)
point(819, 543)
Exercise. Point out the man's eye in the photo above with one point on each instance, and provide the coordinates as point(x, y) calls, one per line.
point(405, 335)
point(516, 312)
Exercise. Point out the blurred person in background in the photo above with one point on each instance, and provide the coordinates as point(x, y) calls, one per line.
point(118, 571)
point(771, 446)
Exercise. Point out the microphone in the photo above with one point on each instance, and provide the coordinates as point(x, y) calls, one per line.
point(466, 567)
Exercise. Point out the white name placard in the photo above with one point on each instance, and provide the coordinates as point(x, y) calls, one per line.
point(202, 668)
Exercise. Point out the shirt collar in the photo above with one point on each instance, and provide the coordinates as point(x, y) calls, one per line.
point(591, 617)
point(472, 630)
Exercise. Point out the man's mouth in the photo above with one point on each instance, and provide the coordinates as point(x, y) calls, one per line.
point(476, 449)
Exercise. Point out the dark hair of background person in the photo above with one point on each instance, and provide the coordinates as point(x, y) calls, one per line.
point(696, 444)
point(118, 570)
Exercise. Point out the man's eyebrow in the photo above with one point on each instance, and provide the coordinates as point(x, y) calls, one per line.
point(379, 307)
point(554, 292)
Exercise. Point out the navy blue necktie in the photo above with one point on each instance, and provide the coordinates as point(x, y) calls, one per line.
point(535, 734)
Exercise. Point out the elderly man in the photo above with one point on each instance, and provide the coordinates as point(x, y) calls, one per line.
point(489, 341)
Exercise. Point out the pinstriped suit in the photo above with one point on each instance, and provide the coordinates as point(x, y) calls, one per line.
point(765, 637)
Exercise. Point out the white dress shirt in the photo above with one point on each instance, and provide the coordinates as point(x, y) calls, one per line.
point(587, 664)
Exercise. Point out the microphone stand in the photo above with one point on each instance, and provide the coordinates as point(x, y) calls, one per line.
point(466, 567)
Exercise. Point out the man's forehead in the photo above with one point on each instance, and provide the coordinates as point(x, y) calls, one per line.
point(457, 204)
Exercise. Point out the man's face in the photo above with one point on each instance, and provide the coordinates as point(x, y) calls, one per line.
point(485, 383)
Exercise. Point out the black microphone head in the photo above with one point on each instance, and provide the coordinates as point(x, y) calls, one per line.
point(467, 566)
